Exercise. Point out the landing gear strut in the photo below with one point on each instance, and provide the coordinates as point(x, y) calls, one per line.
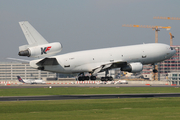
point(154, 68)
point(107, 78)
point(155, 72)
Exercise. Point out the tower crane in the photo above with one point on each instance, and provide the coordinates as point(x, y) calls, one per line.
point(156, 28)
point(167, 18)
point(171, 39)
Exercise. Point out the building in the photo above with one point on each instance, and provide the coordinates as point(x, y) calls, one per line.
point(10, 71)
point(174, 78)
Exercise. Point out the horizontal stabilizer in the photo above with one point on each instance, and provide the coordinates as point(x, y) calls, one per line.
point(15, 59)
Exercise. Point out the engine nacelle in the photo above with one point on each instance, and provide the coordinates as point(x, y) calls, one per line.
point(133, 67)
point(41, 50)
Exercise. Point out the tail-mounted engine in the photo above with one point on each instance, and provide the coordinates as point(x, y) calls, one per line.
point(40, 50)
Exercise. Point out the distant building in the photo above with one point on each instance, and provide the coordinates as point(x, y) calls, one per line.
point(10, 71)
point(174, 78)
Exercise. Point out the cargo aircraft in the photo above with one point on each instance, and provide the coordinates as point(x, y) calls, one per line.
point(127, 58)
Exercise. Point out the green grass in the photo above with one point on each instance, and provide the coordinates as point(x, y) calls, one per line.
point(85, 90)
point(99, 109)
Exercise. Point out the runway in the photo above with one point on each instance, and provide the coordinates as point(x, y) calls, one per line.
point(72, 97)
point(82, 85)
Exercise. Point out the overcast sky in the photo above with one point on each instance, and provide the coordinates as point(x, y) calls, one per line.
point(86, 24)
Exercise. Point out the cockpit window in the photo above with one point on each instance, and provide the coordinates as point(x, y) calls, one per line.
point(171, 48)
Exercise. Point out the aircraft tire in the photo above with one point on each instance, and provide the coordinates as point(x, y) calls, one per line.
point(110, 78)
point(103, 79)
point(86, 77)
point(155, 71)
point(93, 77)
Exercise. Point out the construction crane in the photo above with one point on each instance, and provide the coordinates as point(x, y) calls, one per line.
point(171, 39)
point(167, 18)
point(156, 28)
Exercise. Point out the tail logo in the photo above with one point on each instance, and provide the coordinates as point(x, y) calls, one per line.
point(44, 50)
point(19, 78)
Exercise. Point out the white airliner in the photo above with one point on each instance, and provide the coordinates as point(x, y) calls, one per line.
point(127, 58)
point(31, 81)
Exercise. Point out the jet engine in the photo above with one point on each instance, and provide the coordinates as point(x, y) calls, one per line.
point(133, 67)
point(40, 50)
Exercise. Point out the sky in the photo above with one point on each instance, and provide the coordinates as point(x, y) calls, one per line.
point(86, 24)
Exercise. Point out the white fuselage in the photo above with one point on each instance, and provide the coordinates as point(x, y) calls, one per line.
point(86, 61)
point(34, 81)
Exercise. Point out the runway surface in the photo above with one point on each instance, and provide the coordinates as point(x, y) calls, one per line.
point(72, 97)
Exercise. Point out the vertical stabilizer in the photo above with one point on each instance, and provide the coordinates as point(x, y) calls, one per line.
point(32, 35)
point(20, 80)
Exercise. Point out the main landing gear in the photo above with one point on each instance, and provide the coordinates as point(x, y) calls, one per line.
point(81, 77)
point(107, 78)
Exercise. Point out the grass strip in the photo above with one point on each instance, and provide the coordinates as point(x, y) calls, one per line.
point(85, 90)
point(99, 109)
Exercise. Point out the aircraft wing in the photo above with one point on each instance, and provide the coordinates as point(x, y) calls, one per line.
point(111, 65)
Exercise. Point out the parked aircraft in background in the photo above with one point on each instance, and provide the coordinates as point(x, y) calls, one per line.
point(121, 82)
point(127, 58)
point(29, 81)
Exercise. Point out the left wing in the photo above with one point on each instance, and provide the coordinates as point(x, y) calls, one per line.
point(111, 65)
point(22, 60)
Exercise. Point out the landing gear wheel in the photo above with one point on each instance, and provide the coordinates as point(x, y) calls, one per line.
point(155, 71)
point(81, 78)
point(86, 77)
point(103, 79)
point(93, 77)
point(110, 78)
point(106, 78)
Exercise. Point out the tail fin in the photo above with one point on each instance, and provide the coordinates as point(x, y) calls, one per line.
point(33, 37)
point(38, 47)
point(20, 80)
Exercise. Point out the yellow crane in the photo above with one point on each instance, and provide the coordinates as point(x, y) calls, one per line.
point(167, 18)
point(171, 39)
point(156, 28)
